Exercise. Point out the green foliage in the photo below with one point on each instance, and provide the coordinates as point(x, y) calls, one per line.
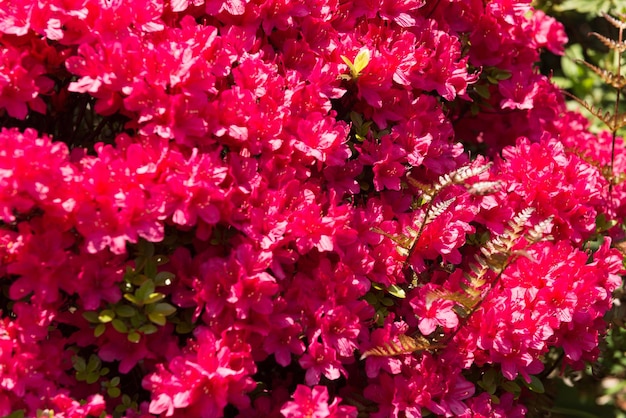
point(143, 307)
point(590, 8)
point(127, 404)
point(89, 371)
point(381, 299)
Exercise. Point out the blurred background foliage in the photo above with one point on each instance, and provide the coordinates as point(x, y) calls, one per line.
point(581, 17)
point(599, 391)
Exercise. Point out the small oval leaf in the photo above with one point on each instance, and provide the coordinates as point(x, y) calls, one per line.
point(99, 330)
point(134, 337)
point(157, 318)
point(125, 311)
point(91, 316)
point(119, 326)
point(164, 309)
point(106, 315)
point(153, 298)
point(148, 329)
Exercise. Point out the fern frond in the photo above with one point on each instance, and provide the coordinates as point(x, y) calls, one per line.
point(540, 231)
point(516, 225)
point(419, 185)
point(478, 270)
point(405, 345)
point(606, 117)
point(613, 21)
point(497, 251)
point(466, 300)
point(610, 43)
point(482, 188)
point(404, 242)
point(437, 209)
point(459, 176)
point(617, 81)
point(401, 240)
point(466, 172)
point(619, 121)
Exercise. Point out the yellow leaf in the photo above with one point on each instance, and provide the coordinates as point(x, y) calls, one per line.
point(361, 61)
point(348, 63)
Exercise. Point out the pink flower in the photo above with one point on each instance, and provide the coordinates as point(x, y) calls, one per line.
point(313, 403)
point(320, 360)
point(433, 310)
point(21, 81)
point(283, 340)
point(339, 329)
point(548, 33)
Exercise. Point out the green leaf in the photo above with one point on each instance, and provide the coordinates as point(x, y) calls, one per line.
point(92, 378)
point(132, 299)
point(99, 330)
point(164, 278)
point(356, 118)
point(140, 262)
point(125, 311)
point(153, 298)
point(145, 290)
point(500, 74)
point(164, 309)
point(535, 385)
point(386, 302)
point(91, 316)
point(147, 329)
point(150, 269)
point(134, 337)
point(157, 318)
point(512, 387)
point(138, 320)
point(396, 291)
point(114, 392)
point(16, 414)
point(184, 328)
point(115, 381)
point(371, 298)
point(93, 364)
point(119, 326)
point(482, 90)
point(79, 363)
point(106, 315)
point(489, 380)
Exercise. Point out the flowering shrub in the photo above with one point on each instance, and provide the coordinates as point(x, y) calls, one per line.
point(298, 209)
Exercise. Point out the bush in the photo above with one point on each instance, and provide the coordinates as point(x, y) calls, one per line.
point(261, 209)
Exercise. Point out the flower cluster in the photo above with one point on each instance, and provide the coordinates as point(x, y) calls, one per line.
point(293, 209)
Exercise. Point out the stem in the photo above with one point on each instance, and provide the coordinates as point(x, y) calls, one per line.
point(615, 114)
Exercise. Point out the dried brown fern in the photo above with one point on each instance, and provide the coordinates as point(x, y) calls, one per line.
point(497, 254)
point(458, 177)
point(404, 345)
